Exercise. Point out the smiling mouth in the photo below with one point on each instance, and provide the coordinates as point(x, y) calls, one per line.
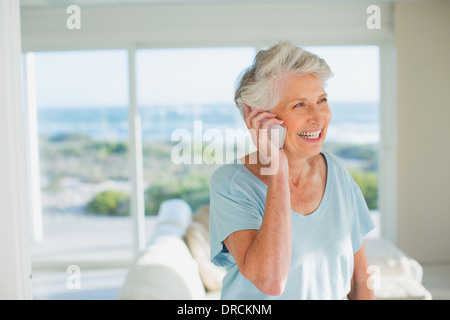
point(311, 135)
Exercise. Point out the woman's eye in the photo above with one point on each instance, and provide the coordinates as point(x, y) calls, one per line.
point(301, 104)
point(323, 100)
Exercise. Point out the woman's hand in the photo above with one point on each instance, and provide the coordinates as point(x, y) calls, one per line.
point(258, 122)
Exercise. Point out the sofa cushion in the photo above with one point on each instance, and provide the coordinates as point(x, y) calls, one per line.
point(174, 217)
point(197, 239)
point(166, 270)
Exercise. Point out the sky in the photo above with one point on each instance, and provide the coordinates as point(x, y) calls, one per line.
point(184, 76)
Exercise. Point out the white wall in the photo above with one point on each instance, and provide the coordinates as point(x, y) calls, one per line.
point(15, 268)
point(422, 37)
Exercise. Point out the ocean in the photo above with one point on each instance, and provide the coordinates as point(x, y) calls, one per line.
point(352, 122)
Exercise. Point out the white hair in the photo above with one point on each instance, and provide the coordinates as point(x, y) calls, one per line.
point(258, 86)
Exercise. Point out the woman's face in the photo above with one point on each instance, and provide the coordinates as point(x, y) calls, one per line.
point(304, 108)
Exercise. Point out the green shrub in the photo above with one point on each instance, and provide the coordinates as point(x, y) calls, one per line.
point(110, 202)
point(108, 147)
point(368, 183)
point(193, 188)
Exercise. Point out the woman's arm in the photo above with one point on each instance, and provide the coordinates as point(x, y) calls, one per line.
point(263, 256)
point(360, 289)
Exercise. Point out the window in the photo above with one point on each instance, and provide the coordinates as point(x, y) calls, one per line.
point(185, 100)
point(82, 117)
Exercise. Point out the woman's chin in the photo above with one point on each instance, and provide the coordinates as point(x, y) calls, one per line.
point(304, 152)
point(307, 147)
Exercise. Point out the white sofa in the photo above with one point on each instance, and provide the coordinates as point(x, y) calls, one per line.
point(176, 263)
point(167, 268)
point(398, 276)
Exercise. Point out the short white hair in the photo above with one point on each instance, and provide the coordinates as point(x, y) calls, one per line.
point(258, 86)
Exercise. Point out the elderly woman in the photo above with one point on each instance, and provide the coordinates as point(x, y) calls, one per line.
point(296, 233)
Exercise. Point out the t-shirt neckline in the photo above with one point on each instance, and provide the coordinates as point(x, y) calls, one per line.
point(321, 208)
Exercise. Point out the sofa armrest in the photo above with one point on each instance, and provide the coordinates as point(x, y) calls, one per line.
point(165, 271)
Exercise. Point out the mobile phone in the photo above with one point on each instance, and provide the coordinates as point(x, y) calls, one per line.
point(277, 131)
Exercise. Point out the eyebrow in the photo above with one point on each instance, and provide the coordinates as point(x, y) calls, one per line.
point(303, 99)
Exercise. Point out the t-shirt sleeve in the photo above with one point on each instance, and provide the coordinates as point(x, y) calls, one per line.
point(362, 222)
point(230, 211)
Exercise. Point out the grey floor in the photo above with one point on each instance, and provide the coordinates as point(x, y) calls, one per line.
point(101, 284)
point(89, 243)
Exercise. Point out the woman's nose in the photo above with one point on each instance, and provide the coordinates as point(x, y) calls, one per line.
point(315, 116)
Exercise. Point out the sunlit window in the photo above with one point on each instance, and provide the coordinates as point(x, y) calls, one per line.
point(190, 126)
point(82, 115)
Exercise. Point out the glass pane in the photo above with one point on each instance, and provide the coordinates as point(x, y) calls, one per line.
point(186, 99)
point(354, 98)
point(82, 110)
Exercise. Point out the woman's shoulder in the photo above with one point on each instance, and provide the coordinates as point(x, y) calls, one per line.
point(333, 159)
point(235, 178)
point(339, 169)
point(225, 174)
point(336, 164)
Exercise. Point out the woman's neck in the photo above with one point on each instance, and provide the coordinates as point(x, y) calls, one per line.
point(304, 168)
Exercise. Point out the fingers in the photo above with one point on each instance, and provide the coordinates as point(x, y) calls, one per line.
point(258, 122)
point(250, 114)
point(266, 138)
point(254, 117)
point(247, 110)
point(266, 124)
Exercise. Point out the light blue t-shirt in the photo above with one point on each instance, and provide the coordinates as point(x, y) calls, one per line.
point(323, 242)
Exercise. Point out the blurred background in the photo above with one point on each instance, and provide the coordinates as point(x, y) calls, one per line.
point(107, 83)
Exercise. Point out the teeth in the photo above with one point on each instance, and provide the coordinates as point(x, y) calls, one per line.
point(310, 135)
